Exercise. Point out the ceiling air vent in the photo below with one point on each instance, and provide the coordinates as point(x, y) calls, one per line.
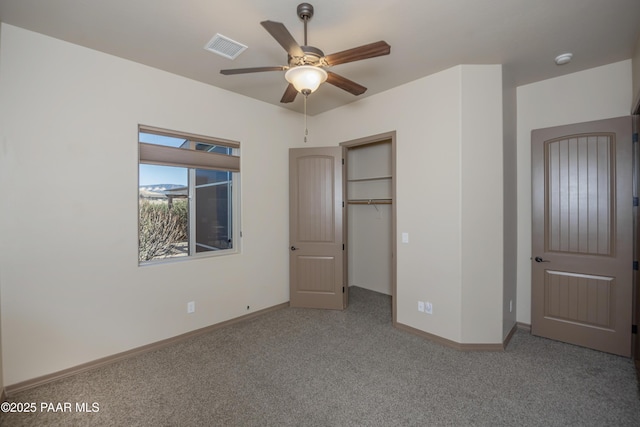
point(224, 46)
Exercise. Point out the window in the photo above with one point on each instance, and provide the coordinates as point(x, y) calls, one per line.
point(188, 195)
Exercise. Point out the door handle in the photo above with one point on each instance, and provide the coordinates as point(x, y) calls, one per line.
point(538, 259)
point(293, 248)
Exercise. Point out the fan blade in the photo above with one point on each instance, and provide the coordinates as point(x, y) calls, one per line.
point(358, 53)
point(279, 32)
point(345, 84)
point(251, 70)
point(289, 94)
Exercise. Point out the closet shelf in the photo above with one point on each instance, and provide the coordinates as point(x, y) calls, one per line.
point(374, 178)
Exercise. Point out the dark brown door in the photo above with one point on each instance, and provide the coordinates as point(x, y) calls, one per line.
point(316, 240)
point(582, 239)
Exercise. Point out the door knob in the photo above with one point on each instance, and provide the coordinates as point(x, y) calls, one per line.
point(293, 248)
point(538, 259)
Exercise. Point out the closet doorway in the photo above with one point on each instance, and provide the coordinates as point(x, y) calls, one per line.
point(370, 214)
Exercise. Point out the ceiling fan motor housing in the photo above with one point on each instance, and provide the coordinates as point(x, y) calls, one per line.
point(312, 56)
point(305, 11)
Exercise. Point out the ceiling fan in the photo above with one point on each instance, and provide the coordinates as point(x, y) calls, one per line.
point(306, 69)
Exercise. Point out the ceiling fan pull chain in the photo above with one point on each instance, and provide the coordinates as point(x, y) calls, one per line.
point(306, 130)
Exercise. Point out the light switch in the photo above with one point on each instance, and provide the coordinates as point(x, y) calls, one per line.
point(405, 237)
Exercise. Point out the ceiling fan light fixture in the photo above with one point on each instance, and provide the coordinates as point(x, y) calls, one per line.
point(306, 78)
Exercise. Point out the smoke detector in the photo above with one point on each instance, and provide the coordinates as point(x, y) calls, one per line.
point(564, 58)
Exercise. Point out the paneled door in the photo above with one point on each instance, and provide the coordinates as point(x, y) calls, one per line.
point(316, 261)
point(582, 236)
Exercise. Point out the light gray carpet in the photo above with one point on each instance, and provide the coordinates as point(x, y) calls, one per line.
point(298, 367)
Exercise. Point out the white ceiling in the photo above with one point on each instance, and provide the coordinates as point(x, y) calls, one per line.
point(426, 36)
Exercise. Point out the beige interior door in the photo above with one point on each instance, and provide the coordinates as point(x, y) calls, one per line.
point(582, 234)
point(316, 262)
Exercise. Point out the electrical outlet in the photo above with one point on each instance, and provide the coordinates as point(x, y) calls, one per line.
point(191, 307)
point(428, 308)
point(510, 306)
point(421, 306)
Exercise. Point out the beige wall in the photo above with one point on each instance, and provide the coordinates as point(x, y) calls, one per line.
point(1, 239)
point(510, 182)
point(636, 74)
point(599, 93)
point(426, 115)
point(72, 290)
point(482, 203)
point(449, 147)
